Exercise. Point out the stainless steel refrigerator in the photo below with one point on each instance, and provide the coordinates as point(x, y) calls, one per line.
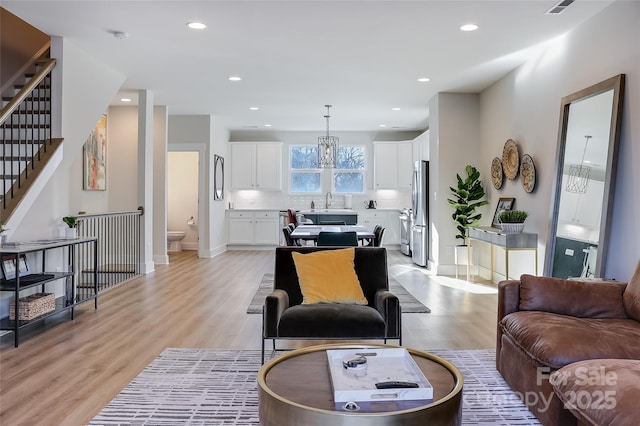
point(420, 213)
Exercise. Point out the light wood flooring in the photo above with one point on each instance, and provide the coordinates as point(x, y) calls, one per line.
point(66, 372)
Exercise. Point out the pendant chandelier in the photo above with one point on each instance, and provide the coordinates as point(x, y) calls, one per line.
point(327, 147)
point(578, 180)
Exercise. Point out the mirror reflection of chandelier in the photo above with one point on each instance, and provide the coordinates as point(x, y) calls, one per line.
point(327, 147)
point(578, 180)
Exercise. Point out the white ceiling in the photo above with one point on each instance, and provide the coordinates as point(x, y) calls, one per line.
point(363, 57)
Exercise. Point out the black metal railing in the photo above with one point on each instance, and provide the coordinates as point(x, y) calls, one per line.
point(118, 248)
point(25, 129)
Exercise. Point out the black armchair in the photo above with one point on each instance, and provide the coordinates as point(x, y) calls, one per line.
point(285, 317)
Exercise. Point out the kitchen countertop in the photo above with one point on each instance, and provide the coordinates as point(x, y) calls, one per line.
point(319, 211)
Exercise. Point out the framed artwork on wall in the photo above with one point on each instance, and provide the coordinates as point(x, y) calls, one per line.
point(503, 204)
point(95, 158)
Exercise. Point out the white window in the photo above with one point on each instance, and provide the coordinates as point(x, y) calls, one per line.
point(304, 174)
point(348, 176)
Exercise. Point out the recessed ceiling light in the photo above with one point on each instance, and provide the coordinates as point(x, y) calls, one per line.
point(424, 79)
point(254, 108)
point(267, 125)
point(196, 25)
point(469, 27)
point(235, 78)
point(382, 125)
point(395, 109)
point(125, 100)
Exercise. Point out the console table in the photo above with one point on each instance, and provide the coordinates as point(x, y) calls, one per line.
point(24, 278)
point(508, 241)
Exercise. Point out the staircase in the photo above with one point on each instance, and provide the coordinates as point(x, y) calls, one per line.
point(25, 135)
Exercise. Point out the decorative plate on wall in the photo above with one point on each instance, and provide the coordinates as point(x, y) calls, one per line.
point(510, 159)
point(528, 173)
point(496, 173)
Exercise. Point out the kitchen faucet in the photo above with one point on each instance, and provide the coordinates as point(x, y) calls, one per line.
point(327, 197)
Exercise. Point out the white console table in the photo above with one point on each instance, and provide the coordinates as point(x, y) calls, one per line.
point(509, 242)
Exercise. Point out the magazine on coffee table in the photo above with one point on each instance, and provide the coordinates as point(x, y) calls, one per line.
point(372, 375)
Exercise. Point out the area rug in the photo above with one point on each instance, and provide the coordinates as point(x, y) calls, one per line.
point(218, 387)
point(408, 303)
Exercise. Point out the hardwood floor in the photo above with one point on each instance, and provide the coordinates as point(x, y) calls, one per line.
point(65, 372)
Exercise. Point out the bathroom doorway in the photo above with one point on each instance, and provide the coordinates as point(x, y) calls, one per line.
point(185, 175)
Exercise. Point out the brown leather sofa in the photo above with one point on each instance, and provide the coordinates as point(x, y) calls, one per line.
point(285, 317)
point(545, 324)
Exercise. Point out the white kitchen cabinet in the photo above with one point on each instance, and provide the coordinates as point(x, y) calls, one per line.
point(393, 165)
point(256, 165)
point(388, 219)
point(258, 227)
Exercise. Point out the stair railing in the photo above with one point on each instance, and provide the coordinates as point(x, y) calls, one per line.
point(118, 248)
point(25, 127)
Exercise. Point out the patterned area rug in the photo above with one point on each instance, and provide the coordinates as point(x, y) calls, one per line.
point(408, 303)
point(218, 387)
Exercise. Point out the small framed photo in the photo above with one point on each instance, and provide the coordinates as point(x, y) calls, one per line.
point(503, 204)
point(9, 266)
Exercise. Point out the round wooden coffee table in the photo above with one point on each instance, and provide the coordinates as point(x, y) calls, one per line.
point(295, 389)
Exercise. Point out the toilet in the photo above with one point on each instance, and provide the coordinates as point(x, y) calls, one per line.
point(173, 240)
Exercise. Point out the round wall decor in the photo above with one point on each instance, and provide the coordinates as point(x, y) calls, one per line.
point(496, 173)
point(528, 173)
point(510, 159)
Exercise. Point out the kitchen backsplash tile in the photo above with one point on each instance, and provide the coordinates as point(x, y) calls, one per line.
point(273, 200)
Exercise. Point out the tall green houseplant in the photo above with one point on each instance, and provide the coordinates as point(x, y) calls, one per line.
point(467, 197)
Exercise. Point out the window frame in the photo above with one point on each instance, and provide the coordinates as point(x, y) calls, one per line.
point(309, 171)
point(362, 171)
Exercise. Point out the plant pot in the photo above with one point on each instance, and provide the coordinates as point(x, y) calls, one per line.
point(462, 255)
point(71, 233)
point(512, 228)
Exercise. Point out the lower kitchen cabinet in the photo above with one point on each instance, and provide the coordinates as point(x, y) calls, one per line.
point(253, 227)
point(388, 219)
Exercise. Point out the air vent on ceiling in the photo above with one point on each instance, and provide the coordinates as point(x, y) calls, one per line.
point(559, 8)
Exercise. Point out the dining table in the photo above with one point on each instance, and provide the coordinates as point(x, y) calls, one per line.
point(311, 232)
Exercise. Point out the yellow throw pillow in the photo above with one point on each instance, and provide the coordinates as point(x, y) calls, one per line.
point(328, 276)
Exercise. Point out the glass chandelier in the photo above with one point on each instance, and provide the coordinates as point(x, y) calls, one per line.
point(327, 147)
point(578, 179)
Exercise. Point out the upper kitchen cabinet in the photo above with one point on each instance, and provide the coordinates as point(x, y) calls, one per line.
point(256, 165)
point(392, 165)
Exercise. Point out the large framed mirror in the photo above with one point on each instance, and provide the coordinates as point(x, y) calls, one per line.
point(218, 177)
point(584, 185)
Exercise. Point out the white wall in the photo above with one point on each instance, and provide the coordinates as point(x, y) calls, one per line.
point(205, 134)
point(454, 144)
point(525, 106)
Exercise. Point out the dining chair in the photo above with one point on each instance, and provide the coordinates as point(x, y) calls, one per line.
point(377, 236)
point(372, 242)
point(287, 236)
point(345, 239)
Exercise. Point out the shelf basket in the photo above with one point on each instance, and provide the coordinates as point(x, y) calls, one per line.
point(33, 306)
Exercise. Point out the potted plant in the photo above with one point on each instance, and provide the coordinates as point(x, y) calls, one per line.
point(467, 197)
point(71, 231)
point(512, 221)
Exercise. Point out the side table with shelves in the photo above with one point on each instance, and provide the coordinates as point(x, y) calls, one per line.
point(43, 278)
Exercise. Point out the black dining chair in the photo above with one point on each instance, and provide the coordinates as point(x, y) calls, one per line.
point(345, 239)
point(372, 242)
point(377, 236)
point(287, 237)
